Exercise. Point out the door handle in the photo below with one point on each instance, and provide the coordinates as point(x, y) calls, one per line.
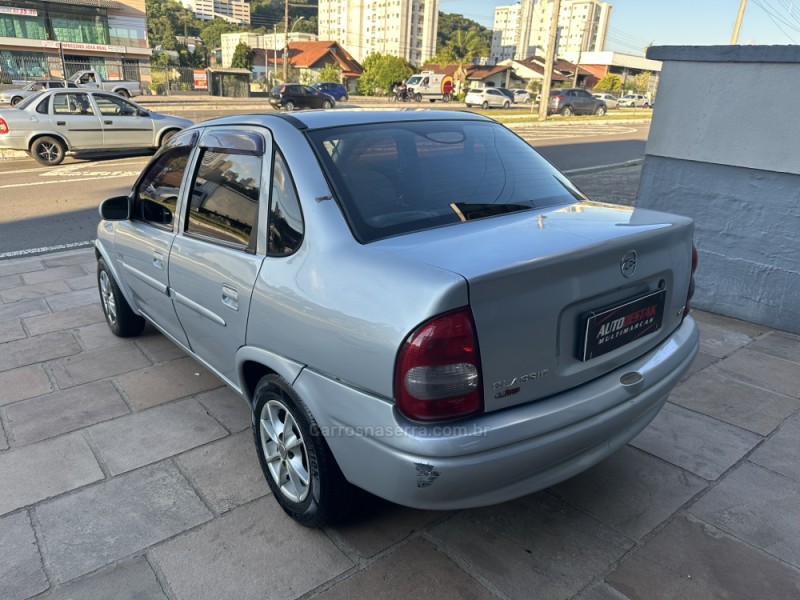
point(158, 260)
point(230, 297)
point(108, 122)
point(61, 122)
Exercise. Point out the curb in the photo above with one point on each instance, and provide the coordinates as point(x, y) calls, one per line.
point(611, 167)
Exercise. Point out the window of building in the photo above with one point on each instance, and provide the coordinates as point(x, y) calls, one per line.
point(224, 203)
point(23, 27)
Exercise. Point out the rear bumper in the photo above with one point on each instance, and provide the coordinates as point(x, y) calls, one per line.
point(499, 456)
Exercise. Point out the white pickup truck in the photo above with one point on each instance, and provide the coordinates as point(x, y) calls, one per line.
point(93, 79)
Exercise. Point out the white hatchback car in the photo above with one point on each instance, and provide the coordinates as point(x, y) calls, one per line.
point(611, 101)
point(486, 98)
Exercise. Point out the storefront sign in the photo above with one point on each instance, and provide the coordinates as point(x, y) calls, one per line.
point(22, 12)
point(86, 47)
point(200, 79)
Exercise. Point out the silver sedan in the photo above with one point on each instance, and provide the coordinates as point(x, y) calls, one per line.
point(16, 95)
point(51, 123)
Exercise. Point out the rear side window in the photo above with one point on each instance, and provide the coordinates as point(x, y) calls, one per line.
point(285, 217)
point(156, 194)
point(395, 178)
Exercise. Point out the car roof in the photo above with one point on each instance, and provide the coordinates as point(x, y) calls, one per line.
point(321, 119)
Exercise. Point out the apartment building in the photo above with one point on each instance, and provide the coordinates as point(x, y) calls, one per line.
point(269, 42)
point(235, 11)
point(405, 28)
point(523, 29)
point(42, 38)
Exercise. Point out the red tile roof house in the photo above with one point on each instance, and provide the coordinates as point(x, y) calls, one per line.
point(305, 60)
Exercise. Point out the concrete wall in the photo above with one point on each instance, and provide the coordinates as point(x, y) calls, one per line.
point(723, 149)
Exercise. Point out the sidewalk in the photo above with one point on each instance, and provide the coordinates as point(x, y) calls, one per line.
point(128, 471)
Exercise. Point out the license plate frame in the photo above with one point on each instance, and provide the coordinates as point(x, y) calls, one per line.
point(607, 329)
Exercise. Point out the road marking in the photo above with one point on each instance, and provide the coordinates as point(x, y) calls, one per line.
point(549, 133)
point(45, 170)
point(45, 249)
point(30, 183)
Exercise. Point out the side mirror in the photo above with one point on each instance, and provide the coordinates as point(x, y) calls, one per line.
point(116, 209)
point(142, 113)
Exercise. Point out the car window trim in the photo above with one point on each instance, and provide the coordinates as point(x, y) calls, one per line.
point(275, 151)
point(176, 216)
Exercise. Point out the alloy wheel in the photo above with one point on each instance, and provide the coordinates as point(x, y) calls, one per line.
point(285, 451)
point(107, 297)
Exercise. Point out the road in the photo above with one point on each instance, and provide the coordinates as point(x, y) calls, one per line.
point(46, 208)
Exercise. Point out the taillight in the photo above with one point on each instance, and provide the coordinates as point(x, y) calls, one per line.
point(438, 370)
point(557, 99)
point(691, 281)
point(3, 126)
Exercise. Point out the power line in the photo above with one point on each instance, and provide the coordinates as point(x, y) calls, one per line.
point(775, 21)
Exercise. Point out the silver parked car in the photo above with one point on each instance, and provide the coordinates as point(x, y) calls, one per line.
point(16, 95)
point(634, 101)
point(486, 98)
point(51, 123)
point(611, 101)
point(413, 303)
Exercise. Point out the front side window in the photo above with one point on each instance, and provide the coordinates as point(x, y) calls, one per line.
point(114, 106)
point(395, 178)
point(156, 194)
point(224, 202)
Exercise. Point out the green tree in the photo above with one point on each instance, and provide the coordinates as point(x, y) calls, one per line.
point(242, 57)
point(642, 82)
point(381, 71)
point(211, 34)
point(330, 72)
point(609, 83)
point(463, 47)
point(450, 23)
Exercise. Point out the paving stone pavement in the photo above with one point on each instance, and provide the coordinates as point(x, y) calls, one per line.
point(128, 471)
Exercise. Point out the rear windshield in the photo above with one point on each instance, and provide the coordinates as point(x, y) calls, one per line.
point(395, 178)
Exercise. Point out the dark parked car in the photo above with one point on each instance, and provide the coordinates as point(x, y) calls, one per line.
point(575, 101)
point(337, 90)
point(506, 92)
point(294, 95)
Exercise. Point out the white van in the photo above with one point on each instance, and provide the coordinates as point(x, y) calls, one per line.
point(430, 86)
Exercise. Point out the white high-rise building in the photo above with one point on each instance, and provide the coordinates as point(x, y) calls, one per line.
point(522, 29)
point(235, 11)
point(405, 28)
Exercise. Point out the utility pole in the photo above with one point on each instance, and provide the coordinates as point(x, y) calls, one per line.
point(580, 49)
point(549, 60)
point(285, 39)
point(738, 25)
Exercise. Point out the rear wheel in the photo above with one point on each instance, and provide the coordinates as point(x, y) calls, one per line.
point(48, 151)
point(297, 463)
point(289, 106)
point(485, 105)
point(506, 104)
point(601, 110)
point(446, 98)
point(124, 93)
point(345, 98)
point(168, 136)
point(567, 111)
point(16, 100)
point(121, 319)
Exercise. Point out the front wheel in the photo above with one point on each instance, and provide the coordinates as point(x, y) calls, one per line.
point(48, 151)
point(601, 110)
point(297, 463)
point(417, 97)
point(121, 319)
point(327, 104)
point(446, 98)
point(16, 100)
point(345, 98)
point(485, 105)
point(167, 136)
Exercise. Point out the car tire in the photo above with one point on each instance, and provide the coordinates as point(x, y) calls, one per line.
point(124, 93)
point(48, 151)
point(167, 136)
point(299, 467)
point(601, 111)
point(327, 104)
point(469, 105)
point(567, 111)
point(506, 104)
point(16, 100)
point(446, 98)
point(289, 106)
point(345, 98)
point(485, 105)
point(121, 319)
point(417, 97)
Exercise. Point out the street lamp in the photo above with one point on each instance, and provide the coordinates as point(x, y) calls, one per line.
point(286, 48)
